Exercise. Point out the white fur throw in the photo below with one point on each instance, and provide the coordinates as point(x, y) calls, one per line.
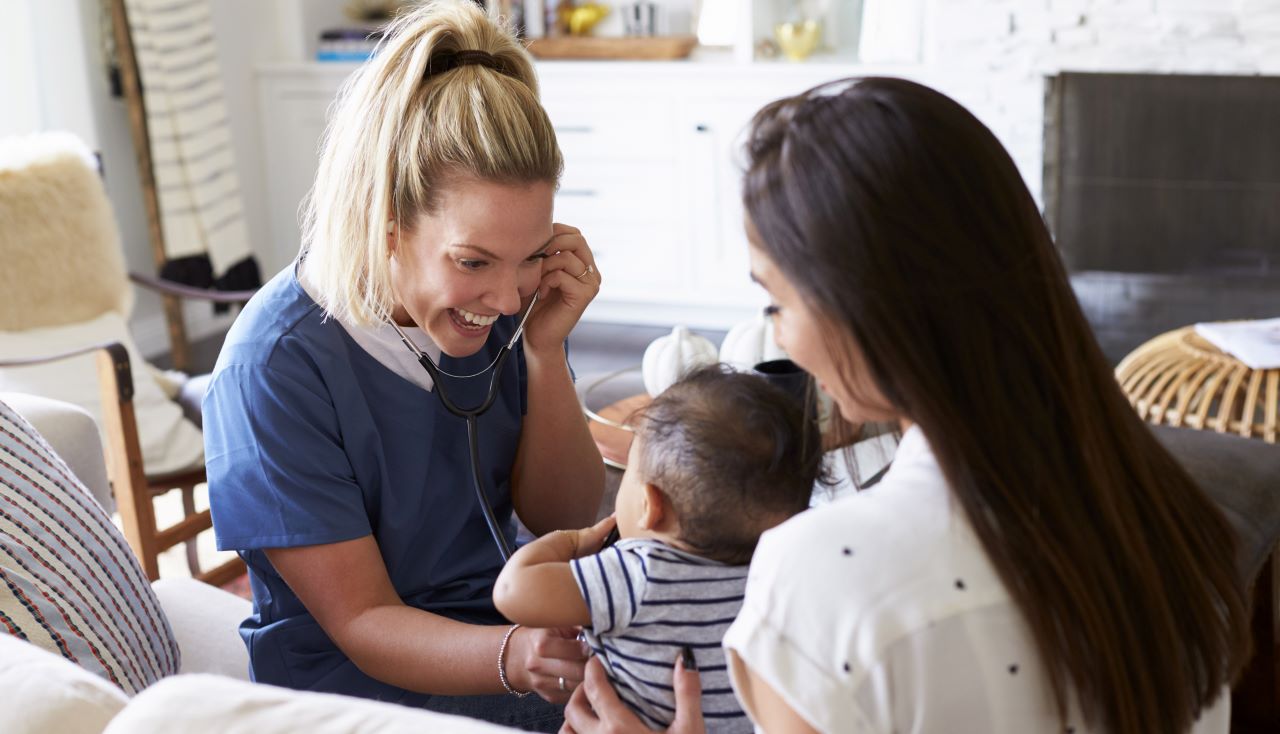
point(58, 238)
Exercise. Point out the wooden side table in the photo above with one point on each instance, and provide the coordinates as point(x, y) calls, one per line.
point(1180, 379)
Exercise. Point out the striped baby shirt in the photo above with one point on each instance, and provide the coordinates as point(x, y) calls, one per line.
point(647, 600)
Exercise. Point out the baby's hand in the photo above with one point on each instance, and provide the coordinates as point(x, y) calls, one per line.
point(591, 540)
point(568, 545)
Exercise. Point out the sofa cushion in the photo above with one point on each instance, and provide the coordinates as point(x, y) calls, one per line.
point(45, 693)
point(73, 435)
point(206, 620)
point(68, 581)
point(210, 704)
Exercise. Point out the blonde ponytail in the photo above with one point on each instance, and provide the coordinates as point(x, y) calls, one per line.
point(400, 130)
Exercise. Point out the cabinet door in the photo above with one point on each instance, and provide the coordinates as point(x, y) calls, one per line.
point(594, 124)
point(293, 122)
point(619, 186)
point(626, 212)
point(712, 137)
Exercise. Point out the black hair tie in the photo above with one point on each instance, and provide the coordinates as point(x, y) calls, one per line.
point(450, 60)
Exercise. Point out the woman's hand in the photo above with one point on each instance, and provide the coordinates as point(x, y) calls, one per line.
point(539, 659)
point(595, 707)
point(569, 282)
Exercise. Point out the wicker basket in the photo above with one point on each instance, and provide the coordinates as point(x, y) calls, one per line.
point(1180, 379)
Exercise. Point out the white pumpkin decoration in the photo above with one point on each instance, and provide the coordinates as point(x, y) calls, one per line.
point(668, 358)
point(750, 343)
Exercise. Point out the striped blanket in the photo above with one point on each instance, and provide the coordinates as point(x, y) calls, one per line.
point(201, 209)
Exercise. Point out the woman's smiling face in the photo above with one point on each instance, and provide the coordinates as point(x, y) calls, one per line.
point(478, 256)
point(839, 369)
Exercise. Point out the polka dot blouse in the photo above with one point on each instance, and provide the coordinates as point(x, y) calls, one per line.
point(881, 613)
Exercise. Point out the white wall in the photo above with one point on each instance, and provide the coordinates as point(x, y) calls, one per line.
point(21, 111)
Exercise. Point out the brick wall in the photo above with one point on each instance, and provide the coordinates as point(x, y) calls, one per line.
point(993, 55)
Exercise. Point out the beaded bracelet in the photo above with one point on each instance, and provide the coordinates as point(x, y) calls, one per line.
point(502, 664)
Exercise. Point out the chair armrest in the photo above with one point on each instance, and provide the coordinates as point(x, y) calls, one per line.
point(115, 376)
point(170, 288)
point(114, 352)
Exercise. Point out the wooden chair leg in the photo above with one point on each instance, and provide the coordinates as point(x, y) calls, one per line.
point(189, 509)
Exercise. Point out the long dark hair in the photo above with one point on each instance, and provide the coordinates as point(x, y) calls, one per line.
point(901, 218)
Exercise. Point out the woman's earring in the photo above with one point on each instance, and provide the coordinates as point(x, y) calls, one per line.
point(391, 226)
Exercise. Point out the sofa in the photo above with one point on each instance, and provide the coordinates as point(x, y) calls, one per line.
point(153, 657)
point(203, 685)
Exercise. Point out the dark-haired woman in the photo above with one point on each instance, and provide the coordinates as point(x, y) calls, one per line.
point(1034, 561)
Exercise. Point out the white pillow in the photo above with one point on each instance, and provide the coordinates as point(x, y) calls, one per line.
point(169, 442)
point(44, 693)
point(212, 704)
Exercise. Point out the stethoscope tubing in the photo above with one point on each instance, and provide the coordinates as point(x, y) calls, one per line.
point(472, 418)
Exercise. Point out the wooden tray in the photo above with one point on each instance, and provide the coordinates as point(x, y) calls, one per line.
point(654, 48)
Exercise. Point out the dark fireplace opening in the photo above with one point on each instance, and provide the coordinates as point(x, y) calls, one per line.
point(1163, 194)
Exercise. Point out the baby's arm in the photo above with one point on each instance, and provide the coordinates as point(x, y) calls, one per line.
point(537, 589)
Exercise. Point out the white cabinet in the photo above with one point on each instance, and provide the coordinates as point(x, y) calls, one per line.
point(652, 173)
point(616, 185)
point(713, 159)
point(293, 103)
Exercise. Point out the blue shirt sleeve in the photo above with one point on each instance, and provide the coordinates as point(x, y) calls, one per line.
point(279, 475)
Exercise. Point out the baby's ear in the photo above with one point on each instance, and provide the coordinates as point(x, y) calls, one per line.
point(657, 513)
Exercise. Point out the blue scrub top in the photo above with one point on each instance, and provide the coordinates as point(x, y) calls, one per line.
point(310, 440)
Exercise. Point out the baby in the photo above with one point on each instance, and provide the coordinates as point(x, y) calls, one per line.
point(717, 459)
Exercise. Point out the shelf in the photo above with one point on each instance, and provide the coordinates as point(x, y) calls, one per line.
point(655, 48)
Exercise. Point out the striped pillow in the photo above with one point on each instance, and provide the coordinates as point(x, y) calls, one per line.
point(68, 581)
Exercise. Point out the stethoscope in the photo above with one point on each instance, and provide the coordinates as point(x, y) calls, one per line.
point(471, 415)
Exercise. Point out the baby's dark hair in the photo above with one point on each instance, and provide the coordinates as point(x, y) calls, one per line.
point(735, 456)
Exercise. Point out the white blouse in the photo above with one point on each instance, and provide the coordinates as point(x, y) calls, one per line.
point(881, 613)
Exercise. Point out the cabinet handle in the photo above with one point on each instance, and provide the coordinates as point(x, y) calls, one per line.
point(581, 193)
point(575, 129)
point(701, 127)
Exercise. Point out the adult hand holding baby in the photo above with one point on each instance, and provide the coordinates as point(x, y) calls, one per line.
point(595, 706)
point(547, 662)
point(546, 656)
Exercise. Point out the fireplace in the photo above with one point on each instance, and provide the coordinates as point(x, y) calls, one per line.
point(1163, 194)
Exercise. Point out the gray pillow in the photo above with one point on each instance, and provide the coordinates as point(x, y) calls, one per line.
point(1242, 475)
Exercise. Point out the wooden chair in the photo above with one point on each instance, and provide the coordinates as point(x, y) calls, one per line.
point(64, 267)
point(134, 491)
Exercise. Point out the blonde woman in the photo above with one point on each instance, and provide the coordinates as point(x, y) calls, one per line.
point(334, 470)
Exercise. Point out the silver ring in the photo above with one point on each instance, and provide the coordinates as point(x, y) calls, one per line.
point(590, 269)
point(562, 684)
